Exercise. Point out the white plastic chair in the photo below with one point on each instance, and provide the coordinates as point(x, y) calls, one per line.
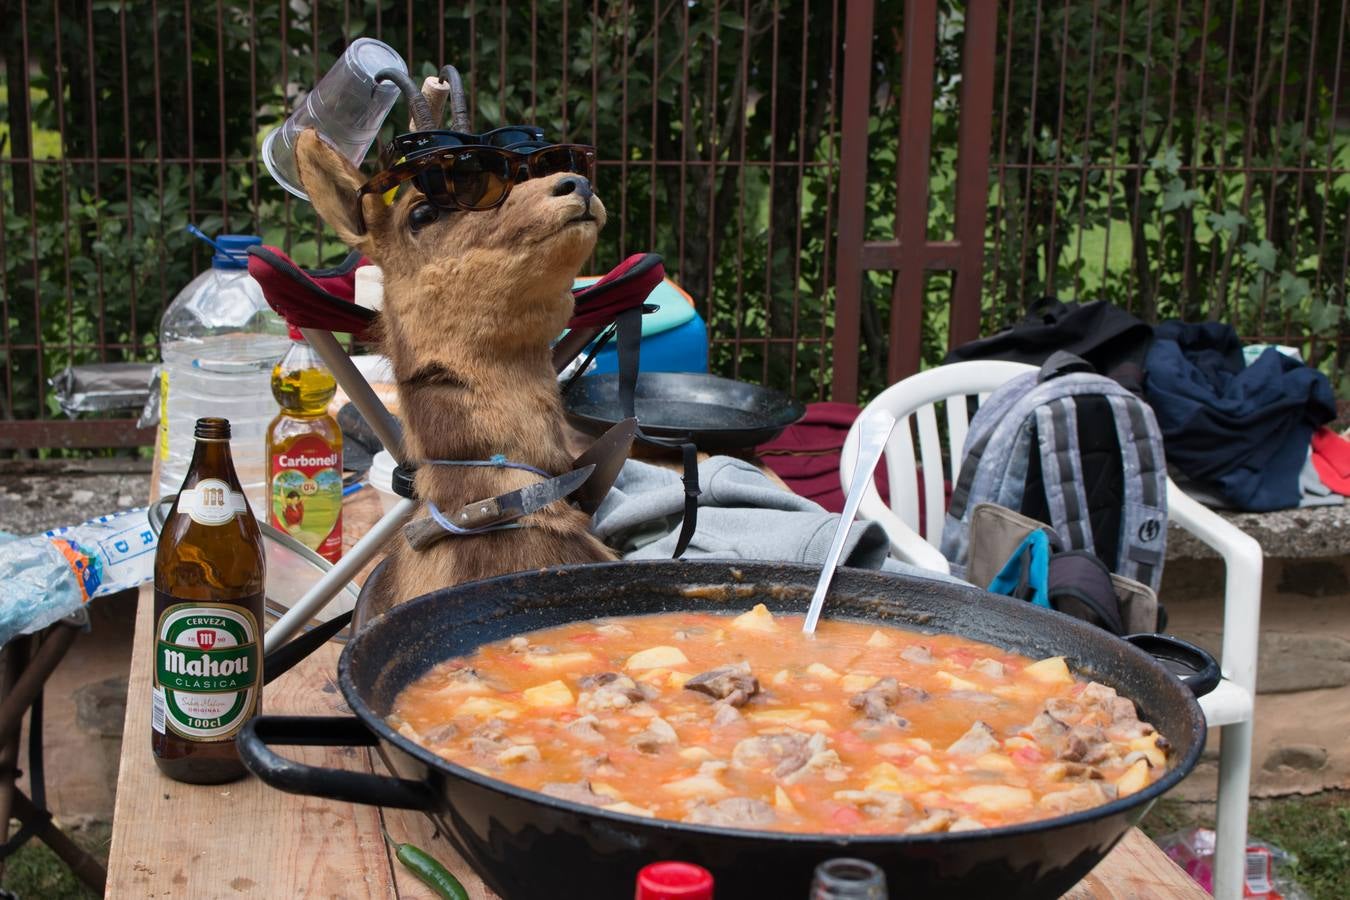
point(1229, 706)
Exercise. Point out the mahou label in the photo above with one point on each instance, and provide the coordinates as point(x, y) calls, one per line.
point(307, 494)
point(207, 668)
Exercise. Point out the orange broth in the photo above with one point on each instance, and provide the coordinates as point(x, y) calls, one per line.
point(511, 711)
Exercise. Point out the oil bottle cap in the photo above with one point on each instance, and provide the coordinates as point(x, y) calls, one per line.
point(295, 333)
point(674, 881)
point(232, 250)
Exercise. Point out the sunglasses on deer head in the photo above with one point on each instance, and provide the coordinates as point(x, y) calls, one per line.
point(415, 143)
point(477, 178)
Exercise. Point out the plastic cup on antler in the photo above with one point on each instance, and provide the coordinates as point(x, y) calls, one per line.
point(347, 108)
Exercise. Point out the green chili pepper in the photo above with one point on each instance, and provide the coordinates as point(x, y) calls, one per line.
point(425, 867)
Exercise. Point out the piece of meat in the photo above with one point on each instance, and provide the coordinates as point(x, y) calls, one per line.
point(659, 734)
point(978, 739)
point(767, 751)
point(936, 820)
point(732, 683)
point(1048, 732)
point(610, 690)
point(733, 812)
point(612, 629)
point(917, 653)
point(585, 729)
point(442, 733)
point(790, 756)
point(966, 824)
point(990, 667)
point(726, 715)
point(518, 753)
point(489, 739)
point(518, 645)
point(1086, 744)
point(1064, 709)
point(887, 804)
point(1059, 771)
point(1079, 797)
point(577, 792)
point(877, 701)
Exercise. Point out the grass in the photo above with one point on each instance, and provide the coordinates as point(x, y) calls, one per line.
point(1315, 829)
point(34, 871)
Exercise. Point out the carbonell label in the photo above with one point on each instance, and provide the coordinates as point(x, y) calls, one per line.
point(306, 480)
point(207, 666)
point(211, 502)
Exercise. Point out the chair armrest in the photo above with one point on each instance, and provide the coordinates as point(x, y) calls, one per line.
point(1243, 561)
point(906, 543)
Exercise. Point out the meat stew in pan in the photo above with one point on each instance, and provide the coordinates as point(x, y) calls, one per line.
point(745, 722)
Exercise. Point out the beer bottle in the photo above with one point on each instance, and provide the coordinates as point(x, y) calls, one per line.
point(208, 614)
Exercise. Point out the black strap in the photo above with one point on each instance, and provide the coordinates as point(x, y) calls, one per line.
point(628, 347)
point(1062, 362)
point(691, 493)
point(284, 658)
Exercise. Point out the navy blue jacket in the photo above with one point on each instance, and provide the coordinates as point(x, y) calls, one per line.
point(1241, 431)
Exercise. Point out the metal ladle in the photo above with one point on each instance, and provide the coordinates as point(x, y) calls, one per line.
point(873, 432)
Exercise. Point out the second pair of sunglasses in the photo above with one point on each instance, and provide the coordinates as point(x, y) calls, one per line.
point(416, 143)
point(478, 178)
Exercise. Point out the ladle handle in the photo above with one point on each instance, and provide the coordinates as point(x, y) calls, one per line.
point(873, 432)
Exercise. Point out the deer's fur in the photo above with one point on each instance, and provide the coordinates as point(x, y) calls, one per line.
point(471, 303)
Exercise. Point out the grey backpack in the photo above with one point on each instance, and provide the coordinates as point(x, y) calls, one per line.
point(1077, 451)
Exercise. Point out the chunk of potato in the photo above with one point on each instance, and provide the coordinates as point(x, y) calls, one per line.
point(488, 708)
point(701, 786)
point(1134, 779)
point(779, 715)
point(654, 676)
point(696, 754)
point(660, 656)
point(820, 670)
point(920, 744)
point(953, 683)
point(995, 762)
point(757, 619)
point(1051, 670)
point(996, 797)
point(877, 639)
point(556, 661)
point(606, 790)
point(1017, 742)
point(781, 677)
point(857, 681)
point(554, 693)
point(677, 679)
point(1148, 745)
point(782, 802)
point(924, 763)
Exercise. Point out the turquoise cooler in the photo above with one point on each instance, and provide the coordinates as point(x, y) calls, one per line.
point(674, 338)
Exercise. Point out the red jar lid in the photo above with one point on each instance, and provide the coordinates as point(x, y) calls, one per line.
point(674, 881)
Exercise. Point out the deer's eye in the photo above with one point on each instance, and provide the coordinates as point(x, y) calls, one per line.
point(422, 215)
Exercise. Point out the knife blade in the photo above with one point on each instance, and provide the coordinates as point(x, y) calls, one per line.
point(500, 509)
point(607, 454)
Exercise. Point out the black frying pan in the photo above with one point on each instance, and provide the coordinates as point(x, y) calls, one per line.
point(528, 845)
point(716, 414)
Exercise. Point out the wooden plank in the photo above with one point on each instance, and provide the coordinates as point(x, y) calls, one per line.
point(1136, 870)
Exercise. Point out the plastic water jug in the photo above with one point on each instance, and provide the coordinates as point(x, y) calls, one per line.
point(219, 342)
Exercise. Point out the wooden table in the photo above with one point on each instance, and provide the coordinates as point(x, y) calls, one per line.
point(247, 840)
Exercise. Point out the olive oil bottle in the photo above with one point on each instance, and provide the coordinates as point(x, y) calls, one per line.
point(304, 452)
point(209, 578)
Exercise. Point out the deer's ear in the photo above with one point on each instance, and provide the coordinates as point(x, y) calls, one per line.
point(331, 182)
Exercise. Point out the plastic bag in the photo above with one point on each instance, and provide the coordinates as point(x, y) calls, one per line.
point(1266, 869)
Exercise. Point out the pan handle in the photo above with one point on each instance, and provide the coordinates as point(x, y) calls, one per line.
point(1193, 665)
point(317, 781)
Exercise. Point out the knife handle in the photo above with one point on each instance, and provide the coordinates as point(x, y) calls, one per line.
point(478, 514)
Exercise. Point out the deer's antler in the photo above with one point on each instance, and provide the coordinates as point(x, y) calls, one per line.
point(459, 104)
point(417, 104)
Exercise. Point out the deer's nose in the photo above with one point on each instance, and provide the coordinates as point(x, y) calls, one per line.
point(573, 184)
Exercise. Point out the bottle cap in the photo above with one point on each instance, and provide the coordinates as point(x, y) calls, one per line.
point(370, 287)
point(295, 333)
point(674, 881)
point(232, 250)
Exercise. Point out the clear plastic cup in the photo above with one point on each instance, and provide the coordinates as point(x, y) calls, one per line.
point(347, 108)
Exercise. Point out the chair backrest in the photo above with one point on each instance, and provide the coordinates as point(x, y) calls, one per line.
point(913, 402)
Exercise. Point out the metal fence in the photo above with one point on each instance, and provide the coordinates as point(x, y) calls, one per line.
point(795, 161)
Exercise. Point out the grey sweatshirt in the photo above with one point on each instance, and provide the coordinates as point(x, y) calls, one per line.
point(741, 515)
